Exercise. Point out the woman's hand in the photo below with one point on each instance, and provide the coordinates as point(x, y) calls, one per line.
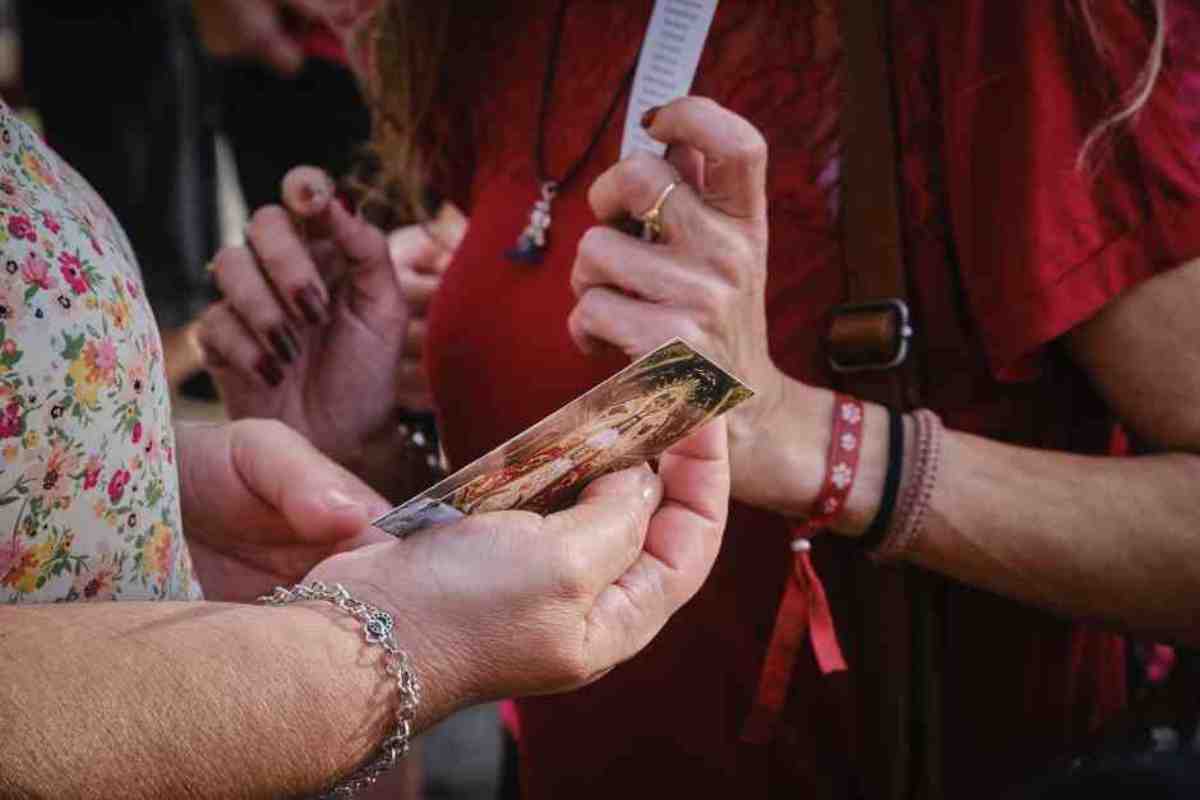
point(257, 29)
point(511, 603)
point(420, 255)
point(704, 281)
point(315, 327)
point(261, 506)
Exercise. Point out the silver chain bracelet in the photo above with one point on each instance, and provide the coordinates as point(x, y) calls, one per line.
point(378, 628)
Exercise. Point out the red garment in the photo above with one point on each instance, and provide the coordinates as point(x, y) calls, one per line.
point(1010, 247)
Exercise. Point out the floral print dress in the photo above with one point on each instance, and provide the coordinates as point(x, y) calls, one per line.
point(89, 501)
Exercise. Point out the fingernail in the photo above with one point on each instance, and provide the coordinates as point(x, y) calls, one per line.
point(284, 343)
point(337, 499)
point(310, 303)
point(648, 117)
point(269, 370)
point(313, 194)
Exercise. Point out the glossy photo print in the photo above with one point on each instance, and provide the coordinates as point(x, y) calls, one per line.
point(632, 417)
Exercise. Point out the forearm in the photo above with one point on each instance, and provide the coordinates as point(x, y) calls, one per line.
point(174, 700)
point(1116, 539)
point(1112, 539)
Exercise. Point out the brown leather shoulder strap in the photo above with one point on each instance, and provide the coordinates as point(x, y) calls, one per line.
point(894, 612)
point(872, 240)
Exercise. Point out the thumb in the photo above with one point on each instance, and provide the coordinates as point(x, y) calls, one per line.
point(603, 533)
point(306, 191)
point(318, 499)
point(269, 483)
point(309, 194)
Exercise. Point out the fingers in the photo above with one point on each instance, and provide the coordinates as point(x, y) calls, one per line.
point(598, 538)
point(230, 346)
point(270, 480)
point(605, 316)
point(419, 262)
point(682, 542)
point(735, 153)
point(320, 500)
point(306, 191)
point(261, 28)
point(288, 265)
point(447, 229)
point(688, 162)
point(309, 194)
point(607, 257)
point(360, 247)
point(247, 292)
point(632, 186)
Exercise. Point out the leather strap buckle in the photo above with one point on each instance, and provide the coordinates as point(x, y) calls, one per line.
point(867, 337)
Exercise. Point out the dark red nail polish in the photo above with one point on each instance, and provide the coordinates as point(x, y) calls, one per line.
point(284, 343)
point(648, 117)
point(310, 303)
point(269, 370)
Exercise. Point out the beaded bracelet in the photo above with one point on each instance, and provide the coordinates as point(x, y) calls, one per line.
point(920, 476)
point(377, 628)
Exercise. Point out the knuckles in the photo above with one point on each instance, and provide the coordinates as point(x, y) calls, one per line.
point(593, 247)
point(570, 572)
point(749, 146)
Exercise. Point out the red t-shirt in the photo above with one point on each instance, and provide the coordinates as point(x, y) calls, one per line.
point(1009, 247)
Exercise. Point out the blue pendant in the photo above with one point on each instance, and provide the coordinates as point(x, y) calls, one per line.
point(531, 244)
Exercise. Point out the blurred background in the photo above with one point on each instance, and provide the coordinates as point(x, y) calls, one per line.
point(183, 146)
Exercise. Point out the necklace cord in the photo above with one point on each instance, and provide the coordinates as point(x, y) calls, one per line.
point(547, 95)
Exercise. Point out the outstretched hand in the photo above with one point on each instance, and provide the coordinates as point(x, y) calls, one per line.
point(510, 603)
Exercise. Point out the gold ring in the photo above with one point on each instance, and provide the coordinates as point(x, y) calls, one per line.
point(211, 266)
point(652, 226)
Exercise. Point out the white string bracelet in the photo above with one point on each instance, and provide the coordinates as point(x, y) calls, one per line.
point(378, 628)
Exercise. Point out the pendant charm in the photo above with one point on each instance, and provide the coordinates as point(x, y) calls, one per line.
point(531, 244)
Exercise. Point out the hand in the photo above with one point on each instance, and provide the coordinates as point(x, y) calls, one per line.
point(312, 330)
point(420, 267)
point(261, 507)
point(706, 280)
point(259, 29)
point(510, 603)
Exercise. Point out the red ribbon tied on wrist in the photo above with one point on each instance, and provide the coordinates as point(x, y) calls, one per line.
point(805, 608)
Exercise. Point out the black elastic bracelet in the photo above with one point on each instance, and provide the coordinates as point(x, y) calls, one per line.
point(878, 528)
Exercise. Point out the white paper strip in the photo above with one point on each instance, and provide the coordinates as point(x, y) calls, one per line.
point(674, 40)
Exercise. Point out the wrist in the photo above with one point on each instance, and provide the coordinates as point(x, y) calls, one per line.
point(772, 446)
point(779, 460)
point(394, 576)
point(866, 495)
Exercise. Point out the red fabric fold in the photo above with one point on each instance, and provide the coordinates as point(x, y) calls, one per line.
point(804, 609)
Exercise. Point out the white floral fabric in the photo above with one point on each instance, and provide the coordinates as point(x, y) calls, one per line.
point(89, 501)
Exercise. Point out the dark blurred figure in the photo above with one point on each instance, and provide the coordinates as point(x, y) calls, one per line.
point(130, 96)
point(275, 122)
point(121, 90)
